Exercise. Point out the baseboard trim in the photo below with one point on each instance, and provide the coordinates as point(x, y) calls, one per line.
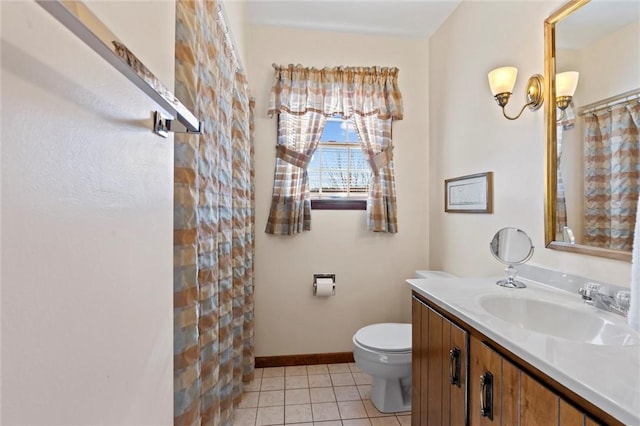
point(303, 359)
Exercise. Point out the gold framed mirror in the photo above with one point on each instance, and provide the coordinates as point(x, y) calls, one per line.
point(571, 36)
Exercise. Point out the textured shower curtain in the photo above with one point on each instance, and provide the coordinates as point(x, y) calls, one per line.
point(213, 224)
point(612, 176)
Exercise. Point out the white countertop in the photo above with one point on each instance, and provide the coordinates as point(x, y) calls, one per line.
point(606, 376)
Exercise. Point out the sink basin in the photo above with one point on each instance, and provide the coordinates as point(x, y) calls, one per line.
point(559, 321)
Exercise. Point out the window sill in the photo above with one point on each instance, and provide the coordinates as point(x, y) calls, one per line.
point(338, 204)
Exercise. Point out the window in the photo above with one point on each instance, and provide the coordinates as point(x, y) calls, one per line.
point(304, 98)
point(339, 174)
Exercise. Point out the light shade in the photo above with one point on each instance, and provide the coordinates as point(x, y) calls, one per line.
point(502, 80)
point(566, 83)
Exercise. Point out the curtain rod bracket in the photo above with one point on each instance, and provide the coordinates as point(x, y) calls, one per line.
point(162, 126)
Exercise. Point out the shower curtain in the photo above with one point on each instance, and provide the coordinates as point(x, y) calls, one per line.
point(612, 180)
point(213, 223)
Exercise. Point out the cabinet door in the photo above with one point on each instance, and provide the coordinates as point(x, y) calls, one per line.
point(511, 397)
point(458, 356)
point(416, 360)
point(511, 376)
point(569, 415)
point(447, 352)
point(439, 370)
point(435, 355)
point(485, 385)
point(538, 405)
point(420, 363)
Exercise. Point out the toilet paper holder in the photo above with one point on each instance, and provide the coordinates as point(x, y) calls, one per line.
point(315, 282)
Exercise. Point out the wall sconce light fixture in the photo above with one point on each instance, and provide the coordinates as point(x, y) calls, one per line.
point(566, 84)
point(502, 81)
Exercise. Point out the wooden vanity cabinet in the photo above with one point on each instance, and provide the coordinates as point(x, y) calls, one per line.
point(439, 357)
point(502, 394)
point(511, 396)
point(493, 390)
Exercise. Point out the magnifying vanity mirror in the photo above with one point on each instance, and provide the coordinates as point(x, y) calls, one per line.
point(592, 148)
point(511, 246)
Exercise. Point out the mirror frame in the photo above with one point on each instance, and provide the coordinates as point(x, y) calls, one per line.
point(550, 182)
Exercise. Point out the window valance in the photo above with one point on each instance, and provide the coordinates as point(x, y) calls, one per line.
point(339, 90)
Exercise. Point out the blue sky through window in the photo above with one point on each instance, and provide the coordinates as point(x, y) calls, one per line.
point(338, 165)
point(337, 129)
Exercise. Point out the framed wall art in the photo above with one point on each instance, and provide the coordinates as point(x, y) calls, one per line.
point(469, 194)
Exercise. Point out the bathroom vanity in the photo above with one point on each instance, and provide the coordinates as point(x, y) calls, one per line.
point(489, 355)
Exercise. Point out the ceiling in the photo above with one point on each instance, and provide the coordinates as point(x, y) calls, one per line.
point(409, 18)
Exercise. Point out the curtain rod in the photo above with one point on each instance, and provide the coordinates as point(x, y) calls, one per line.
point(229, 40)
point(609, 102)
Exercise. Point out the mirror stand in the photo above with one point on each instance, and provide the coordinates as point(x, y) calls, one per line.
point(511, 281)
point(511, 246)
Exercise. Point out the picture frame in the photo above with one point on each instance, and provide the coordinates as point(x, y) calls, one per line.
point(469, 194)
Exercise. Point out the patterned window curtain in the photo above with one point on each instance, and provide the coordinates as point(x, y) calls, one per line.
point(298, 137)
point(213, 224)
point(565, 121)
point(375, 140)
point(612, 181)
point(351, 92)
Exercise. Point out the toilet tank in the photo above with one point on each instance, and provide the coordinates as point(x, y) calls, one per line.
point(433, 274)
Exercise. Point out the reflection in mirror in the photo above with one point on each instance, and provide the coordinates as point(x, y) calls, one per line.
point(511, 246)
point(593, 147)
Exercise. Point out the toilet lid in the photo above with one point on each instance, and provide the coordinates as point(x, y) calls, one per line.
point(388, 337)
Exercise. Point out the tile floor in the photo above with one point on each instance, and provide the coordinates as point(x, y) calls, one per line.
point(326, 395)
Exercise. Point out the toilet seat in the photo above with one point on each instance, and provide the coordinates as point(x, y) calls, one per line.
point(385, 337)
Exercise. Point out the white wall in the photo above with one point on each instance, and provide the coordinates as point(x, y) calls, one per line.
point(370, 267)
point(87, 203)
point(469, 135)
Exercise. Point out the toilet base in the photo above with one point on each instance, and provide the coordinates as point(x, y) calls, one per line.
point(391, 395)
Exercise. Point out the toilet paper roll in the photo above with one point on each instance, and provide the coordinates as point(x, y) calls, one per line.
point(324, 287)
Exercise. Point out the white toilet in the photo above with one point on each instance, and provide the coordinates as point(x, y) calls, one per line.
point(384, 351)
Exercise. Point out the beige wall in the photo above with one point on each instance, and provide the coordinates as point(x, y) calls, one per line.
point(235, 13)
point(469, 135)
point(572, 153)
point(87, 205)
point(618, 51)
point(370, 267)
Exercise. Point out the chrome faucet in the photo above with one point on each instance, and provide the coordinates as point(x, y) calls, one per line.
point(600, 297)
